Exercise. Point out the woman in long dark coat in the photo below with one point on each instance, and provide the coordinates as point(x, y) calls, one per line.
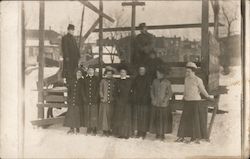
point(122, 119)
point(107, 102)
point(193, 121)
point(75, 104)
point(161, 113)
point(91, 101)
point(141, 102)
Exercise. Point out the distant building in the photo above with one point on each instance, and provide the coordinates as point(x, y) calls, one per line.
point(52, 42)
point(190, 51)
point(168, 48)
point(173, 49)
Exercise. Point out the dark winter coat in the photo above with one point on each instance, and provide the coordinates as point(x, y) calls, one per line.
point(91, 90)
point(71, 54)
point(141, 90)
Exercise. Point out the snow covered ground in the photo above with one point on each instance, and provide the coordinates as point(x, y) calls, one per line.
point(53, 142)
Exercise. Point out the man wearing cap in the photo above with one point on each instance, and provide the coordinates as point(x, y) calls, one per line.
point(193, 121)
point(70, 52)
point(144, 44)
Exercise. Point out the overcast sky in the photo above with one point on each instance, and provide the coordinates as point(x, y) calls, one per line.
point(60, 13)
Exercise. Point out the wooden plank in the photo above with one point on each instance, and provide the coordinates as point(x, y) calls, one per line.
point(157, 27)
point(58, 90)
point(55, 98)
point(91, 29)
point(213, 115)
point(40, 111)
point(133, 3)
point(80, 37)
point(52, 105)
point(205, 36)
point(49, 121)
point(100, 37)
point(93, 8)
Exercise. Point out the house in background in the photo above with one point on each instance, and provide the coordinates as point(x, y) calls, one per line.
point(173, 49)
point(52, 47)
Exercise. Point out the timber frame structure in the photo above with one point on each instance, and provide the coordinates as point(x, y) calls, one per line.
point(45, 99)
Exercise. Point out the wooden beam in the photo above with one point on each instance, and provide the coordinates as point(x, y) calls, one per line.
point(216, 103)
point(49, 121)
point(55, 98)
point(41, 57)
point(92, 28)
point(80, 38)
point(100, 37)
point(133, 3)
point(93, 8)
point(52, 105)
point(157, 27)
point(205, 36)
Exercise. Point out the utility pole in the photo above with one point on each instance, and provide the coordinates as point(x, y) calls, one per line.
point(133, 4)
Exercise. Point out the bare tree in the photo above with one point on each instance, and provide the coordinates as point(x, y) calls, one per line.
point(230, 14)
point(120, 20)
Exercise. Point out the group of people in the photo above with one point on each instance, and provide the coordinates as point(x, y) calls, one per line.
point(127, 106)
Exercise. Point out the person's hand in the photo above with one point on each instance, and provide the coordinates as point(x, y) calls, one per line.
point(210, 98)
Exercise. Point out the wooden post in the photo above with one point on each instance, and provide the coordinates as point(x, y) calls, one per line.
point(205, 38)
point(216, 9)
point(100, 37)
point(80, 38)
point(22, 106)
point(41, 58)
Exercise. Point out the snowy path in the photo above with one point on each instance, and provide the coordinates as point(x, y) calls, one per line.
point(54, 143)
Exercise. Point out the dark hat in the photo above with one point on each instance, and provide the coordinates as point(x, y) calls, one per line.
point(123, 67)
point(79, 69)
point(141, 25)
point(109, 69)
point(71, 27)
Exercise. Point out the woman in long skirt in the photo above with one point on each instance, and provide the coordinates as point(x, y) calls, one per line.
point(161, 114)
point(193, 121)
point(107, 101)
point(141, 102)
point(74, 113)
point(122, 119)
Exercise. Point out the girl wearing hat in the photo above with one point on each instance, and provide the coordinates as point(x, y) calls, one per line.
point(107, 101)
point(91, 101)
point(161, 114)
point(193, 121)
point(122, 119)
point(75, 110)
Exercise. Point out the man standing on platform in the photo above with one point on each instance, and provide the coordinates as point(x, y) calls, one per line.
point(71, 55)
point(144, 45)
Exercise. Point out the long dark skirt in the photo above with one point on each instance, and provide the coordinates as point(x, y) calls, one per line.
point(161, 120)
point(193, 121)
point(72, 118)
point(105, 116)
point(134, 117)
point(90, 116)
point(142, 118)
point(122, 120)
